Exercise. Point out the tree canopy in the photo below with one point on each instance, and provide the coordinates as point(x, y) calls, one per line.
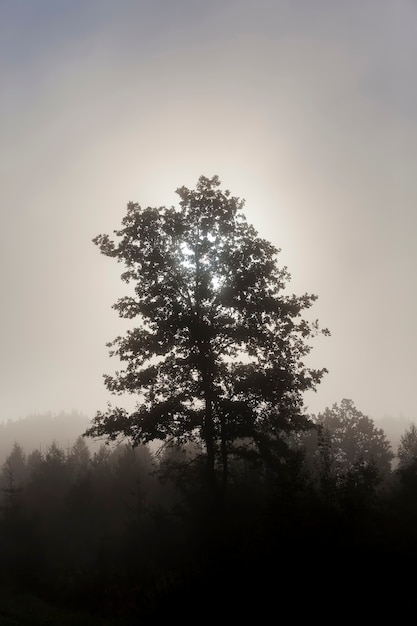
point(218, 351)
point(354, 438)
point(407, 448)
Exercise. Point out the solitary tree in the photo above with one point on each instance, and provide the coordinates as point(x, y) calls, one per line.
point(218, 353)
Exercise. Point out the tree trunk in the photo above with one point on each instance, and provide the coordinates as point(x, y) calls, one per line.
point(209, 441)
point(225, 466)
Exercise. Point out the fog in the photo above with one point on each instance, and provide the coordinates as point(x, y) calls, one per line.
point(306, 110)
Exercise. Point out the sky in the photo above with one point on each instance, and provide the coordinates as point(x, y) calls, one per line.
point(307, 110)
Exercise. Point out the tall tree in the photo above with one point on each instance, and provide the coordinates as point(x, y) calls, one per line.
point(218, 352)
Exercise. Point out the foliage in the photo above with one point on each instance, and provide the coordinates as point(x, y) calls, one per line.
point(13, 471)
point(406, 470)
point(407, 448)
point(353, 441)
point(218, 352)
point(111, 540)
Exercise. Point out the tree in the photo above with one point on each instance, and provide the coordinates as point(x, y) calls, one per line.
point(407, 461)
point(80, 456)
point(354, 440)
point(218, 352)
point(407, 448)
point(13, 475)
point(15, 464)
point(34, 462)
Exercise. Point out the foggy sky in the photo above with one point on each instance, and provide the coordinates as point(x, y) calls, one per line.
point(305, 109)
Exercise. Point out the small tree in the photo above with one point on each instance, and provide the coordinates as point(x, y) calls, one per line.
point(34, 462)
point(218, 352)
point(407, 448)
point(12, 476)
point(354, 440)
point(80, 456)
point(406, 469)
point(16, 464)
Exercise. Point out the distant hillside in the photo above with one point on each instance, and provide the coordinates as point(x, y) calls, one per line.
point(39, 431)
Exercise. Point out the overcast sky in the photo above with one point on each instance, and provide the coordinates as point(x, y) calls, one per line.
point(307, 109)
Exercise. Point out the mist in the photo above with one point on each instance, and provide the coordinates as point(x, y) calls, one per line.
point(307, 112)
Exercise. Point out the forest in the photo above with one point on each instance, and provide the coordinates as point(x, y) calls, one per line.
point(218, 496)
point(124, 534)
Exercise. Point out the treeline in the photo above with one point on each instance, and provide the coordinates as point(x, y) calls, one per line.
point(125, 533)
point(39, 430)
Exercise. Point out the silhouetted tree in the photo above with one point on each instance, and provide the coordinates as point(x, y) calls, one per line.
point(14, 467)
point(407, 448)
point(406, 469)
point(101, 458)
point(132, 469)
point(34, 462)
point(79, 456)
point(353, 442)
point(50, 481)
point(218, 353)
point(13, 473)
